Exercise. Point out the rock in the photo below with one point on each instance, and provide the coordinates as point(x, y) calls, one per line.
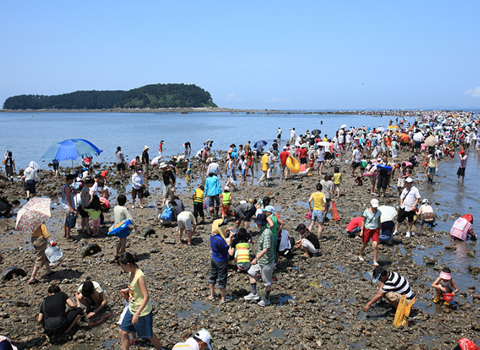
point(148, 231)
point(473, 269)
point(90, 249)
point(7, 274)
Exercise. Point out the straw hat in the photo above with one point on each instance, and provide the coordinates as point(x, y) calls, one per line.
point(146, 147)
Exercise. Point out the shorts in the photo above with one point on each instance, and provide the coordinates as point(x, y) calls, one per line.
point(353, 232)
point(382, 182)
point(225, 208)
point(244, 266)
point(137, 193)
point(168, 191)
point(370, 234)
point(244, 171)
point(355, 165)
point(394, 153)
point(145, 168)
point(214, 201)
point(83, 213)
point(303, 160)
point(318, 215)
point(248, 216)
point(401, 182)
point(55, 166)
point(265, 270)
point(9, 170)
point(198, 209)
point(184, 222)
point(123, 233)
point(121, 166)
point(310, 247)
point(431, 170)
point(143, 328)
point(402, 215)
point(336, 187)
point(460, 172)
point(283, 168)
point(96, 222)
point(427, 217)
point(30, 186)
point(218, 269)
point(394, 297)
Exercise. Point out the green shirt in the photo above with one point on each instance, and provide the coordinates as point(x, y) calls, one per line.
point(265, 241)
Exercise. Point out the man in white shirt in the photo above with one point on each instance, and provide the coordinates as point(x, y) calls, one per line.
point(408, 204)
point(356, 160)
point(279, 134)
point(292, 135)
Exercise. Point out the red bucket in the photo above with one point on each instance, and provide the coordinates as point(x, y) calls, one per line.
point(448, 296)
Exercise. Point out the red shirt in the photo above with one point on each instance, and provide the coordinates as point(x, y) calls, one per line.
point(283, 157)
point(303, 153)
point(356, 222)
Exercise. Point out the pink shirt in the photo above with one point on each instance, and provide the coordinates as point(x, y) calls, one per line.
point(463, 162)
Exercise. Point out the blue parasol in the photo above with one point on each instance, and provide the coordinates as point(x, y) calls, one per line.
point(260, 144)
point(71, 149)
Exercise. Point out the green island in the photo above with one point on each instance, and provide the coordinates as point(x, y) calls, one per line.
point(148, 96)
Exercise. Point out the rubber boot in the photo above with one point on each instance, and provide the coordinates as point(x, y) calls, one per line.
point(437, 298)
point(446, 303)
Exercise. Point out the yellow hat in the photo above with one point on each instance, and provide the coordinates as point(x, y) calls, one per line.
point(217, 229)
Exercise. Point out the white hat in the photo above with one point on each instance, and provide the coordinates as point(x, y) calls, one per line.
point(204, 336)
point(374, 203)
point(284, 147)
point(146, 147)
point(226, 188)
point(425, 201)
point(409, 179)
point(162, 165)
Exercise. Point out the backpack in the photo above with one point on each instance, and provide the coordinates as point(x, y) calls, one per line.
point(52, 324)
point(167, 214)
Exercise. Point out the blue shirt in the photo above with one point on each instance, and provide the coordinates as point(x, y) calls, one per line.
point(212, 186)
point(219, 248)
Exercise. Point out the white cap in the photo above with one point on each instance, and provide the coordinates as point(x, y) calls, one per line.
point(226, 188)
point(409, 179)
point(425, 201)
point(374, 203)
point(204, 336)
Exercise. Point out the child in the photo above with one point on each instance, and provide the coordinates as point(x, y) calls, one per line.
point(444, 284)
point(242, 251)
point(94, 213)
point(121, 213)
point(363, 163)
point(189, 170)
point(226, 199)
point(139, 316)
point(358, 181)
point(270, 176)
point(243, 168)
point(311, 163)
point(337, 180)
point(198, 204)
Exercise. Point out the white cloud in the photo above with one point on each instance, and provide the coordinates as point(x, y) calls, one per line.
point(277, 100)
point(232, 97)
point(473, 92)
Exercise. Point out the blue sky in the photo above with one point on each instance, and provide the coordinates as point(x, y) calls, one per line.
point(250, 54)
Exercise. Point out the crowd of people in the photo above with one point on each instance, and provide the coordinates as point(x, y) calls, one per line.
point(371, 154)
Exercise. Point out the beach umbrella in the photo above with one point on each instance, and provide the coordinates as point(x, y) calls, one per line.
point(33, 214)
point(343, 126)
point(418, 136)
point(393, 127)
point(71, 149)
point(324, 144)
point(388, 213)
point(316, 132)
point(431, 141)
point(382, 129)
point(260, 144)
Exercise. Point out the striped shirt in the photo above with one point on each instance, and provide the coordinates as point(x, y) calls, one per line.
point(398, 284)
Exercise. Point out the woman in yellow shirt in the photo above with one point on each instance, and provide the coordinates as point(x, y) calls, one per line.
point(40, 239)
point(318, 210)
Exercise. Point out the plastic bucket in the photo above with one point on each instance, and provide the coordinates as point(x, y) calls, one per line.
point(448, 296)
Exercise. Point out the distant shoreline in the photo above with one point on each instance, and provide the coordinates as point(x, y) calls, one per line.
point(219, 110)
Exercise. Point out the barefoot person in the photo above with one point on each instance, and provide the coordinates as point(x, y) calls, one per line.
point(318, 210)
point(309, 241)
point(91, 295)
point(40, 239)
point(371, 229)
point(121, 213)
point(52, 314)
